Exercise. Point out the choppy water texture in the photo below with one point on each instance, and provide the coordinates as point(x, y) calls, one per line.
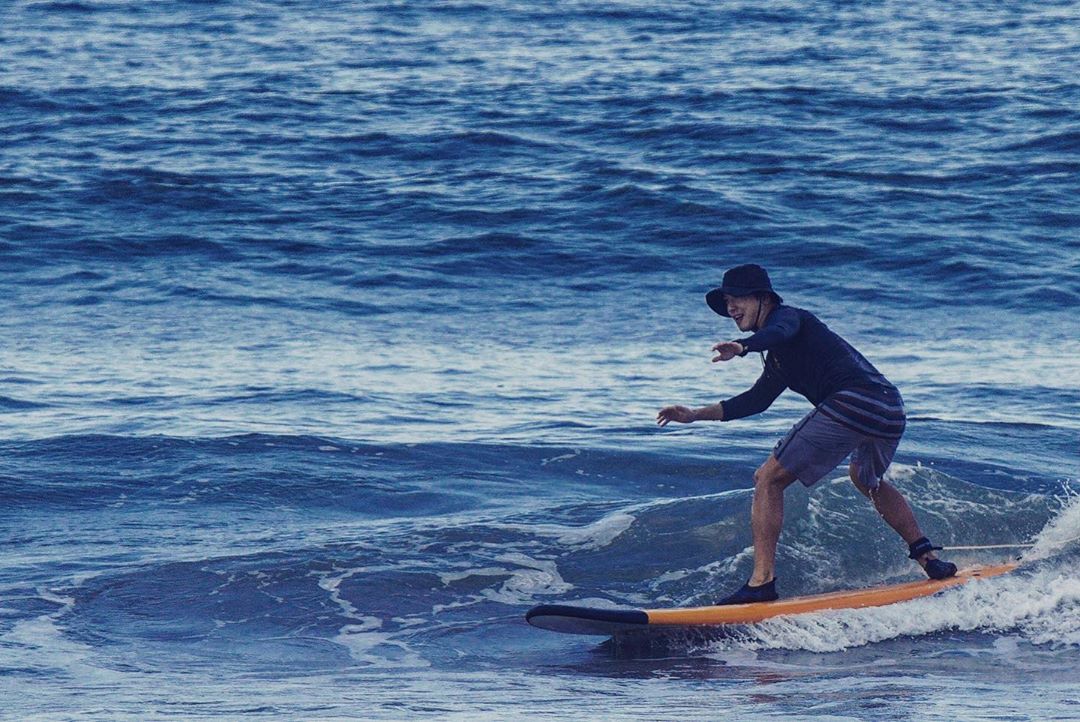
point(334, 334)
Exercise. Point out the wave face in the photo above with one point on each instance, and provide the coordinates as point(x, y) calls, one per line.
point(335, 335)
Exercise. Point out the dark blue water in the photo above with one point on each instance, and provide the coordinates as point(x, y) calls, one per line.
point(335, 335)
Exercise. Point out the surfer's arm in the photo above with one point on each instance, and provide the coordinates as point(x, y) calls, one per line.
point(686, 415)
point(755, 399)
point(782, 325)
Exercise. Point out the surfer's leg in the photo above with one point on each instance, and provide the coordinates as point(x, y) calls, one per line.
point(895, 510)
point(812, 449)
point(767, 516)
point(891, 505)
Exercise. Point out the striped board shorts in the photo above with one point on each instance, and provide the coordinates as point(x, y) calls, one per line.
point(866, 423)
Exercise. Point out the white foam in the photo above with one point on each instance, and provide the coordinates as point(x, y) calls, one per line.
point(564, 457)
point(1043, 608)
point(41, 644)
point(378, 649)
point(1061, 532)
point(526, 578)
point(722, 568)
point(596, 535)
point(608, 528)
point(362, 636)
point(448, 578)
point(534, 576)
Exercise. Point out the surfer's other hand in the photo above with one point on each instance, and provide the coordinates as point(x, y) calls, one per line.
point(727, 350)
point(681, 414)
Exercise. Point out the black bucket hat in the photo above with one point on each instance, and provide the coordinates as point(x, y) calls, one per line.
point(740, 281)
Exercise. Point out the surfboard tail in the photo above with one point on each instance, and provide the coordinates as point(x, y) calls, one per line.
point(586, 620)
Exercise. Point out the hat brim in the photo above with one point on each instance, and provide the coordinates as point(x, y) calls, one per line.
point(715, 297)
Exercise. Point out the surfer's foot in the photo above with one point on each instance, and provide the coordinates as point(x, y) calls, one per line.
point(922, 551)
point(748, 594)
point(937, 569)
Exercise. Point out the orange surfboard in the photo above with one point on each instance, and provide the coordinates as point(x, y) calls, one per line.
point(607, 622)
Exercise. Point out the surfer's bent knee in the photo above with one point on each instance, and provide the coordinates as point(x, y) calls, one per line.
point(867, 491)
point(773, 473)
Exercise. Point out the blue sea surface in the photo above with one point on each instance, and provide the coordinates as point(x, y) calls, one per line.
point(335, 333)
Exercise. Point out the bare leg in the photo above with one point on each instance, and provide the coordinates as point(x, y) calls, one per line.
point(894, 509)
point(767, 517)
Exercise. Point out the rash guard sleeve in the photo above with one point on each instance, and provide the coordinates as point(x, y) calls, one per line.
point(757, 398)
point(782, 325)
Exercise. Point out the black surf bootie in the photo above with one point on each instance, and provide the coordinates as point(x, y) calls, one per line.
point(748, 594)
point(935, 568)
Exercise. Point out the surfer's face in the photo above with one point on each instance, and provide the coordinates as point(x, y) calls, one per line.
point(744, 310)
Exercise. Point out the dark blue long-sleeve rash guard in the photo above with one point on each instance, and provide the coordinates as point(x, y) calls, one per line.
point(805, 356)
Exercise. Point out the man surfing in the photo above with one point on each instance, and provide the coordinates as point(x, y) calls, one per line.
point(857, 412)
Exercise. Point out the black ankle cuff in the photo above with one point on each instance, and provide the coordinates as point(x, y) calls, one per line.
point(919, 547)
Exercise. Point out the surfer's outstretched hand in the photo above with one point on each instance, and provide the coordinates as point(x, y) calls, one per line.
point(681, 414)
point(727, 350)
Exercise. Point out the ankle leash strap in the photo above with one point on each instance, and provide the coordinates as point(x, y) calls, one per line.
point(919, 547)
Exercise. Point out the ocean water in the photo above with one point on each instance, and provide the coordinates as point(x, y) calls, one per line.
point(334, 335)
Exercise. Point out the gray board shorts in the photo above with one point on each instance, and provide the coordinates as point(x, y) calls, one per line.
point(865, 424)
